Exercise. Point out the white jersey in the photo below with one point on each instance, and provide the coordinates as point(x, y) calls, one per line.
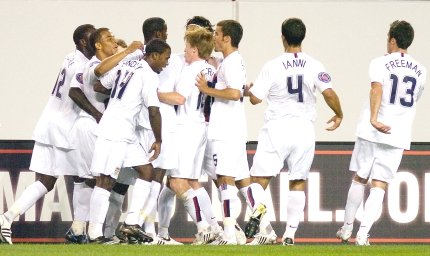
point(60, 113)
point(168, 77)
point(192, 110)
point(134, 86)
point(402, 79)
point(227, 119)
point(289, 82)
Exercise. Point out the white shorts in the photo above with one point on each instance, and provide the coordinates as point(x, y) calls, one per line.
point(192, 137)
point(168, 158)
point(54, 161)
point(375, 160)
point(208, 165)
point(110, 156)
point(138, 154)
point(289, 139)
point(84, 130)
point(230, 159)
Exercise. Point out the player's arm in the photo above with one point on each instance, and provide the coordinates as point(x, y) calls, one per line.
point(110, 62)
point(98, 87)
point(171, 98)
point(375, 104)
point(333, 102)
point(226, 94)
point(78, 96)
point(155, 121)
point(252, 98)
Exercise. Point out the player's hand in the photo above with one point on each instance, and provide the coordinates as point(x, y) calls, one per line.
point(134, 46)
point(247, 88)
point(381, 127)
point(336, 120)
point(156, 147)
point(201, 83)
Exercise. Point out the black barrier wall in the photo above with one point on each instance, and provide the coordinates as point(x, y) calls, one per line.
point(405, 216)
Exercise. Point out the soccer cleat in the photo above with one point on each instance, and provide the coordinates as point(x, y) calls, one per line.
point(254, 221)
point(288, 241)
point(75, 239)
point(343, 235)
point(222, 241)
point(103, 240)
point(135, 234)
point(261, 239)
point(362, 240)
point(122, 238)
point(6, 233)
point(204, 237)
point(240, 235)
point(165, 241)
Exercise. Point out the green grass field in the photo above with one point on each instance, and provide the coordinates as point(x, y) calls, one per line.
point(188, 250)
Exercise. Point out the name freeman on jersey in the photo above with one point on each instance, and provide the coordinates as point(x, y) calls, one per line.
point(403, 64)
point(295, 63)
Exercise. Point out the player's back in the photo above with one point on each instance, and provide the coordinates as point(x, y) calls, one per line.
point(132, 82)
point(290, 83)
point(402, 79)
point(60, 113)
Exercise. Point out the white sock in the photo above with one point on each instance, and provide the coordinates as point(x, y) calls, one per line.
point(229, 203)
point(206, 206)
point(255, 195)
point(295, 207)
point(27, 199)
point(99, 206)
point(193, 208)
point(166, 202)
point(371, 209)
point(245, 192)
point(113, 214)
point(140, 195)
point(355, 197)
point(265, 226)
point(149, 212)
point(81, 201)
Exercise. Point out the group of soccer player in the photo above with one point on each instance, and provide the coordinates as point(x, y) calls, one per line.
point(131, 115)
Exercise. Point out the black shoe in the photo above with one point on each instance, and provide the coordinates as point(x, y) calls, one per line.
point(135, 234)
point(103, 240)
point(288, 241)
point(253, 224)
point(122, 238)
point(75, 239)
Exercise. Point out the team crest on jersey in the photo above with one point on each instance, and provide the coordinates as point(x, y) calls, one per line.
point(80, 78)
point(324, 77)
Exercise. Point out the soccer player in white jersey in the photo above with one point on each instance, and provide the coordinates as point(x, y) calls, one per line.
point(227, 131)
point(191, 129)
point(104, 44)
point(384, 130)
point(289, 83)
point(134, 86)
point(54, 153)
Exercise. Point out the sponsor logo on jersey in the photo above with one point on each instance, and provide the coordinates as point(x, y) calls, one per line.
point(324, 77)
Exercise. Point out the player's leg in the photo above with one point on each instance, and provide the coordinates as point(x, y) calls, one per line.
point(166, 204)
point(116, 200)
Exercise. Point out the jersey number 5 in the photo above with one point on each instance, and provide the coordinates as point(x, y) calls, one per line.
point(404, 101)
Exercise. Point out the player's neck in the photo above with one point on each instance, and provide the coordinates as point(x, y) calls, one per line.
point(293, 49)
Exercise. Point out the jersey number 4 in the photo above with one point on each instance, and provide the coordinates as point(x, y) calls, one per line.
point(296, 86)
point(121, 83)
point(404, 101)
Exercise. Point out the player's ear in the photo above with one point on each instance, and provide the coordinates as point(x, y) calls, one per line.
point(98, 45)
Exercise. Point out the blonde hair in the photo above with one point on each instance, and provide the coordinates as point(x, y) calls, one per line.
point(202, 39)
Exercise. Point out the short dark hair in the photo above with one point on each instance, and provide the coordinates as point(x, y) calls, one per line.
point(95, 37)
point(294, 31)
point(233, 29)
point(152, 25)
point(81, 31)
point(403, 32)
point(201, 21)
point(156, 45)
